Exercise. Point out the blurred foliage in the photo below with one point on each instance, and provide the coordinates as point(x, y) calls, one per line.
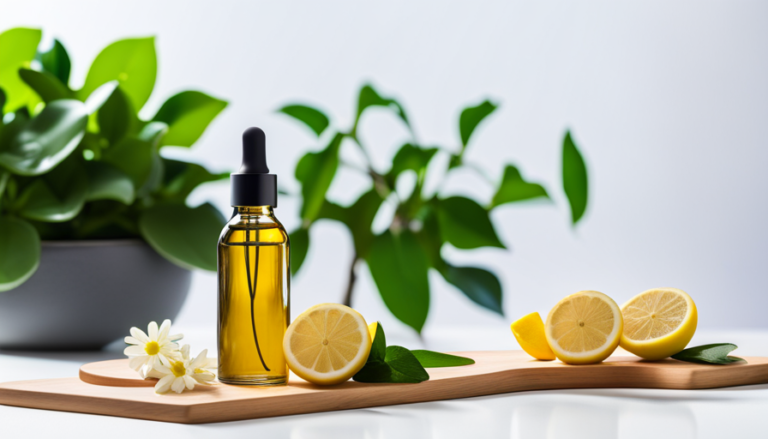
point(82, 164)
point(400, 258)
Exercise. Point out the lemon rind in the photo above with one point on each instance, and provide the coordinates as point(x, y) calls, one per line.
point(336, 376)
point(595, 355)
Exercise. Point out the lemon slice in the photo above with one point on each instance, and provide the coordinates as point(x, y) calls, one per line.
point(584, 328)
point(529, 333)
point(372, 330)
point(658, 323)
point(327, 344)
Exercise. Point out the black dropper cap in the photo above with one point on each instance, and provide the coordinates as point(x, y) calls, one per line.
point(252, 184)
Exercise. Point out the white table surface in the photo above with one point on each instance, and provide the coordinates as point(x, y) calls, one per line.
point(573, 414)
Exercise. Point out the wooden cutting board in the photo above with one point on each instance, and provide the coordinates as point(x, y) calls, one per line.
point(116, 392)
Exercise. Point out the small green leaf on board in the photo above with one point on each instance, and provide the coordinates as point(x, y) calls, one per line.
point(575, 181)
point(471, 117)
point(439, 359)
point(709, 354)
point(315, 119)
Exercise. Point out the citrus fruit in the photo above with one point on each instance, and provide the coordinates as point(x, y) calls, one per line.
point(372, 330)
point(327, 344)
point(658, 323)
point(584, 328)
point(529, 332)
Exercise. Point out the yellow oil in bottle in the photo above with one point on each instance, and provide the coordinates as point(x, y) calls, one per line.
point(254, 298)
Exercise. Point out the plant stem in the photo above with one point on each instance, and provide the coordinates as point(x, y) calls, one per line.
point(351, 282)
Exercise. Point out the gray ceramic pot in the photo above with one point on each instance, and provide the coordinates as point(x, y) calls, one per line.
point(86, 294)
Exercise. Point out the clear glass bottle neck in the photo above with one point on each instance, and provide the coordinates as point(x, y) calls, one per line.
point(255, 211)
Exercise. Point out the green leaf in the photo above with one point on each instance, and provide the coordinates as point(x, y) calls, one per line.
point(153, 133)
point(45, 140)
point(369, 98)
point(470, 118)
point(57, 197)
point(105, 182)
point(45, 84)
point(399, 267)
point(410, 157)
point(315, 171)
point(56, 61)
point(379, 345)
point(99, 97)
point(117, 117)
point(132, 62)
point(399, 366)
point(466, 224)
point(405, 366)
point(514, 188)
point(574, 178)
point(311, 117)
point(438, 359)
point(2, 104)
point(17, 49)
point(479, 285)
point(709, 354)
point(358, 218)
point(181, 178)
point(185, 236)
point(299, 248)
point(133, 157)
point(19, 252)
point(187, 115)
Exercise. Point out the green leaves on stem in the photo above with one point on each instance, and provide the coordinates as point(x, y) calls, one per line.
point(17, 49)
point(187, 115)
point(709, 354)
point(399, 258)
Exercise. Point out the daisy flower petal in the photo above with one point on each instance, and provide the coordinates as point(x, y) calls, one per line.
point(135, 363)
point(164, 384)
point(185, 352)
point(178, 385)
point(189, 381)
point(131, 340)
point(175, 337)
point(139, 334)
point(200, 361)
point(134, 351)
point(164, 329)
point(152, 330)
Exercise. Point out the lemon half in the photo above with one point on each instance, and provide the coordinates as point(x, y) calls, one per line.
point(584, 328)
point(327, 344)
point(658, 323)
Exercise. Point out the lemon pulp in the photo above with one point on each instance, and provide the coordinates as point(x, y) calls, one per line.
point(327, 344)
point(584, 328)
point(658, 323)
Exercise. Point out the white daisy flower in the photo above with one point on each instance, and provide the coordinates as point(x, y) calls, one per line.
point(149, 351)
point(185, 373)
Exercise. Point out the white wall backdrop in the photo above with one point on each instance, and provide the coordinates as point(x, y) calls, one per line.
point(668, 102)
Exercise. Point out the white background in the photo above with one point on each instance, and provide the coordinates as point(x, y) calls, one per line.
point(668, 102)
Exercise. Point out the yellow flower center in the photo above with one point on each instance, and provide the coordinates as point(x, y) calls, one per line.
point(178, 369)
point(152, 348)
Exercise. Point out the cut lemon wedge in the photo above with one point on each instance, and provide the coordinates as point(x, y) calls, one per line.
point(327, 344)
point(372, 330)
point(658, 323)
point(584, 328)
point(529, 333)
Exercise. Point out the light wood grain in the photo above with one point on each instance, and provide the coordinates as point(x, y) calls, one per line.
point(494, 373)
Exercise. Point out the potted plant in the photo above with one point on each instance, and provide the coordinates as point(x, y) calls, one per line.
point(95, 233)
